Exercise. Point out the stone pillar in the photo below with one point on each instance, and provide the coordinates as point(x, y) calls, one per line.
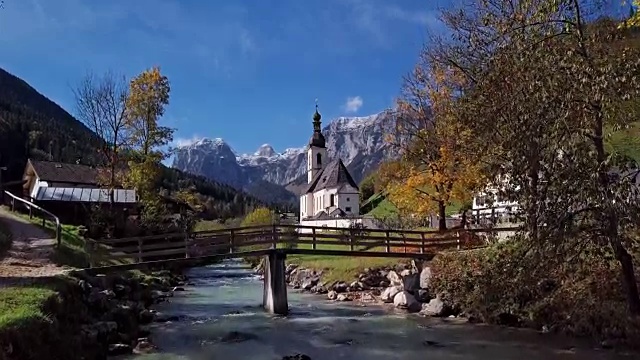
point(274, 298)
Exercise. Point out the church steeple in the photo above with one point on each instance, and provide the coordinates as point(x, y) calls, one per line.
point(317, 139)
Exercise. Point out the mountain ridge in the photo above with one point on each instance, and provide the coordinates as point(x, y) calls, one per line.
point(358, 141)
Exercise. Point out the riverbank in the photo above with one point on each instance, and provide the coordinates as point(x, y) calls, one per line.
point(487, 286)
point(82, 317)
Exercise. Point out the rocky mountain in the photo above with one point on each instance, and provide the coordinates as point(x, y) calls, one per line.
point(358, 141)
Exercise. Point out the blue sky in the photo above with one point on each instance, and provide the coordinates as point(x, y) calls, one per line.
point(246, 71)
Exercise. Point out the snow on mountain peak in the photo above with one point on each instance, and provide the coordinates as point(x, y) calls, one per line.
point(265, 150)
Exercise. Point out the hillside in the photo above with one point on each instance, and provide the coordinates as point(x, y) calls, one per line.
point(32, 126)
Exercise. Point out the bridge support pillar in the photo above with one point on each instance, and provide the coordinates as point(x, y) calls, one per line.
point(274, 297)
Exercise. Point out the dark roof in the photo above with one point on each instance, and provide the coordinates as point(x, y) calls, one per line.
point(336, 213)
point(335, 174)
point(62, 172)
point(317, 140)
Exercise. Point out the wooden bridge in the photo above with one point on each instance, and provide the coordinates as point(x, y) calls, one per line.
point(273, 243)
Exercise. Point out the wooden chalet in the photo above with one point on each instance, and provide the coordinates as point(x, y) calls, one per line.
point(70, 190)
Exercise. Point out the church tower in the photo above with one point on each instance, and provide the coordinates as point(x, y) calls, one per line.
point(317, 152)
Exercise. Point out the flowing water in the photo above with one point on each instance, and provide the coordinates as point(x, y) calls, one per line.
point(225, 303)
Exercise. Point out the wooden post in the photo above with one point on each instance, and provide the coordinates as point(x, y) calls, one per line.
point(274, 296)
point(30, 213)
point(388, 241)
point(313, 241)
point(351, 239)
point(13, 204)
point(186, 245)
point(139, 250)
point(493, 216)
point(421, 243)
point(43, 222)
point(274, 237)
point(231, 241)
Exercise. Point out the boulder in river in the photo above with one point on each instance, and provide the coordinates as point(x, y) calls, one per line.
point(394, 278)
point(389, 293)
point(296, 357)
point(332, 295)
point(411, 283)
point(425, 277)
point(435, 307)
point(404, 300)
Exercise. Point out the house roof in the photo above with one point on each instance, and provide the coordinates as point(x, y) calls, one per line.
point(78, 194)
point(63, 172)
point(335, 174)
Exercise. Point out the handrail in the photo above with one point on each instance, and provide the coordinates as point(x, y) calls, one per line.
point(32, 205)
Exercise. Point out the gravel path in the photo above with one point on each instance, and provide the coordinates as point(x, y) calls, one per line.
point(29, 257)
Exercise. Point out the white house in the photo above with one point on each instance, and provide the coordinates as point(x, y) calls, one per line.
point(331, 198)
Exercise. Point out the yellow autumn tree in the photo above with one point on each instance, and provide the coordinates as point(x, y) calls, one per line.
point(634, 16)
point(437, 166)
point(148, 96)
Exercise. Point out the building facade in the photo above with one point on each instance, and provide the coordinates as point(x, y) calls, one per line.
point(331, 197)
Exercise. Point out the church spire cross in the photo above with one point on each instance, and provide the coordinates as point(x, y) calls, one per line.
point(317, 139)
point(316, 119)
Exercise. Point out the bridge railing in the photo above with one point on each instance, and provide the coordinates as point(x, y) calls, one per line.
point(245, 240)
point(31, 206)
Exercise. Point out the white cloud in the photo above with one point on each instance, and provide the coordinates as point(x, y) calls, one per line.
point(180, 142)
point(353, 104)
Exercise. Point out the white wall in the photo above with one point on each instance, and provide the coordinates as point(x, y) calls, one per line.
point(313, 167)
point(369, 223)
point(349, 198)
point(36, 186)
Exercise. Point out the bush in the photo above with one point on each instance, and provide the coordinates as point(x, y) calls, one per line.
point(508, 284)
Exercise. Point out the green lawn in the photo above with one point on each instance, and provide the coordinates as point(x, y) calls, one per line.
point(23, 305)
point(386, 209)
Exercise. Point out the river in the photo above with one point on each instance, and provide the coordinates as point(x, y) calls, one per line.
point(227, 297)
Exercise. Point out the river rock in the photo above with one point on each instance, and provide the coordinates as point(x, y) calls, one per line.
point(332, 295)
point(296, 357)
point(389, 293)
point(411, 283)
point(119, 349)
point(340, 287)
point(405, 272)
point(435, 307)
point(404, 300)
point(308, 283)
point(422, 295)
point(146, 316)
point(144, 346)
point(290, 268)
point(356, 286)
point(394, 278)
point(425, 277)
point(343, 297)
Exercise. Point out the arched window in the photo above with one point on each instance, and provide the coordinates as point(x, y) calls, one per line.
point(319, 159)
point(332, 200)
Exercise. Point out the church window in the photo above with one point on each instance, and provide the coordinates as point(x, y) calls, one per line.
point(319, 159)
point(347, 209)
point(347, 199)
point(332, 200)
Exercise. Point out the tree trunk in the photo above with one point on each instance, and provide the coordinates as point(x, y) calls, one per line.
point(442, 216)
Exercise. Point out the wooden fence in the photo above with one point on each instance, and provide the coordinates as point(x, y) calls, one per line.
point(243, 240)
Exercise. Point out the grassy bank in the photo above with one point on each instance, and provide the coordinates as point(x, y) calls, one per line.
point(509, 285)
point(21, 306)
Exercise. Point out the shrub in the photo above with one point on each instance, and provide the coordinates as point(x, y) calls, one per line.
point(582, 297)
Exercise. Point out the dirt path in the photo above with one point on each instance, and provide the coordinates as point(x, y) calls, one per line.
point(28, 259)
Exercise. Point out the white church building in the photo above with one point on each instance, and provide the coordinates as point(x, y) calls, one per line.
point(331, 197)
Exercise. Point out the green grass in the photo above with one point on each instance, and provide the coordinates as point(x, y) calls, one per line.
point(207, 225)
point(5, 239)
point(22, 305)
point(626, 142)
point(386, 209)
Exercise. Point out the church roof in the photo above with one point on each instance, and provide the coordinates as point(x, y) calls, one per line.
point(335, 174)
